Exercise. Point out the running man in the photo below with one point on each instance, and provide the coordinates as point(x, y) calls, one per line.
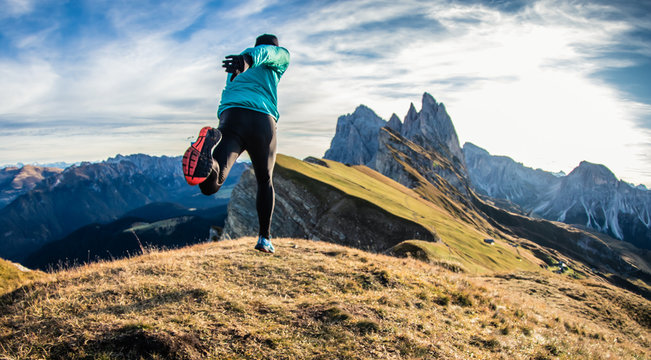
point(247, 114)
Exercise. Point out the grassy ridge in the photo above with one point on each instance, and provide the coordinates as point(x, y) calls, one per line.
point(462, 238)
point(313, 300)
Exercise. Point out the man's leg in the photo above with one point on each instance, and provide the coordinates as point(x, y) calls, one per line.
point(224, 156)
point(262, 150)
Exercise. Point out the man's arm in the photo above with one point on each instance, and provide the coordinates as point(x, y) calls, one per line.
point(271, 56)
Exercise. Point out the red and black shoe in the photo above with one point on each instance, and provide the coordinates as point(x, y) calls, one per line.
point(197, 160)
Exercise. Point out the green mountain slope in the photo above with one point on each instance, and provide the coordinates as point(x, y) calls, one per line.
point(462, 231)
point(314, 300)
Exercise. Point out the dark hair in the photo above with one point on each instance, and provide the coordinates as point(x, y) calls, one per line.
point(266, 39)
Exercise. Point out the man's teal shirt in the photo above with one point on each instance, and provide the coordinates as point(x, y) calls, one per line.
point(256, 88)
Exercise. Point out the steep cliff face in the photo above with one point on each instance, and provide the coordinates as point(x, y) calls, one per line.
point(408, 163)
point(502, 178)
point(308, 208)
point(355, 141)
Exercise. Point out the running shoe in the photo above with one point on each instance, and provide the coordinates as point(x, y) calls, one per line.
point(264, 245)
point(197, 160)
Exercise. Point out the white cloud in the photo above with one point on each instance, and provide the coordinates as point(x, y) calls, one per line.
point(24, 83)
point(528, 90)
point(516, 83)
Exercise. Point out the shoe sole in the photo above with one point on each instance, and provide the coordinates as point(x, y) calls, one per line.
point(264, 250)
point(195, 160)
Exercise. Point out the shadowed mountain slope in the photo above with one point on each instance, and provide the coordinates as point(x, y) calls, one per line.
point(155, 225)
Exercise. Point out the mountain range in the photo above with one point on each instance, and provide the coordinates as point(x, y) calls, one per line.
point(53, 206)
point(417, 182)
point(590, 196)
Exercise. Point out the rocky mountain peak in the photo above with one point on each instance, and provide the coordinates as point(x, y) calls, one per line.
point(363, 112)
point(395, 123)
point(363, 138)
point(411, 117)
point(432, 128)
point(428, 101)
point(355, 140)
point(589, 174)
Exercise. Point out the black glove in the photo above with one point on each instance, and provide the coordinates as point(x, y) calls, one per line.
point(237, 64)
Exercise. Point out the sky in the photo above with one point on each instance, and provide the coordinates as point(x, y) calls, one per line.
point(548, 83)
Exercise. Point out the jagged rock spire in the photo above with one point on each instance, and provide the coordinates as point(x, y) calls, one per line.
point(432, 128)
point(356, 139)
point(394, 123)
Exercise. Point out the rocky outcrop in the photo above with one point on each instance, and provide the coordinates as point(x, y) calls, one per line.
point(394, 123)
point(308, 208)
point(590, 196)
point(426, 140)
point(355, 141)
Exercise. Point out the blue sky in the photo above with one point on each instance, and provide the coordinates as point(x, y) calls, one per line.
point(548, 83)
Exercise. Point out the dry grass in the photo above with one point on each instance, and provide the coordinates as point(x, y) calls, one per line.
point(313, 300)
point(13, 275)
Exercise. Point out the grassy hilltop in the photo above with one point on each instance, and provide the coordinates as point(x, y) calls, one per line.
point(314, 300)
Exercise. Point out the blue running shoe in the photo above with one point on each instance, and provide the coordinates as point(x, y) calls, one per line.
point(264, 245)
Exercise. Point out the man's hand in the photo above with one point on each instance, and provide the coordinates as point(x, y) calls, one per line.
point(237, 64)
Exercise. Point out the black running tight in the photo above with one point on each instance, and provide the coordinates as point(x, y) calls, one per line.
point(255, 132)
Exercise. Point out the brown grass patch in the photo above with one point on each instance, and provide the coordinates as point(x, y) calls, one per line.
point(313, 300)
